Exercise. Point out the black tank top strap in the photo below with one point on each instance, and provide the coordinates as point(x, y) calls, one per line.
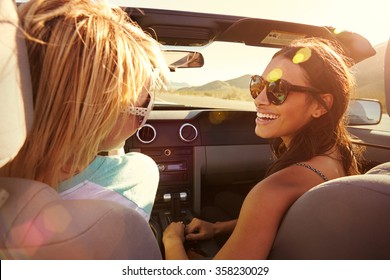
point(313, 169)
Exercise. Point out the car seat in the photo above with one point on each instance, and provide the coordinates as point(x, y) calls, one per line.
point(35, 223)
point(345, 218)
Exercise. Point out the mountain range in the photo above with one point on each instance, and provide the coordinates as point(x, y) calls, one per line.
point(240, 82)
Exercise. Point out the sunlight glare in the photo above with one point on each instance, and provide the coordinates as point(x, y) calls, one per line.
point(57, 219)
point(338, 31)
point(275, 74)
point(302, 55)
point(218, 117)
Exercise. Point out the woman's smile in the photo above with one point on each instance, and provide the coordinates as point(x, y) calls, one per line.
point(265, 118)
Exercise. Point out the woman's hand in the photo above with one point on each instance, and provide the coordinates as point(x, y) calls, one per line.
point(173, 238)
point(199, 230)
point(174, 231)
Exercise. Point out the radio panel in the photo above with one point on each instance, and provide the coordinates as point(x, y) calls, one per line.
point(176, 175)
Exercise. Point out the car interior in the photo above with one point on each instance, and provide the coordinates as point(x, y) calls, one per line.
point(201, 153)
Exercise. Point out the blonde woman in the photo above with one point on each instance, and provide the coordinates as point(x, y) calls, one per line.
point(94, 74)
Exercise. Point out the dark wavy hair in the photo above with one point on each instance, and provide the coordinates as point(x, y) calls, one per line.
point(327, 69)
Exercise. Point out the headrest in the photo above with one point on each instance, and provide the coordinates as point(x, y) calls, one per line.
point(16, 109)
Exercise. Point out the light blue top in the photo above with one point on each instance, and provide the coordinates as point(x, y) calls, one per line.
point(134, 176)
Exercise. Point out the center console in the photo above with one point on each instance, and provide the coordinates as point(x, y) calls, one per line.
point(175, 195)
point(174, 199)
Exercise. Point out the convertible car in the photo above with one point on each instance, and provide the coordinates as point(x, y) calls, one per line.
point(201, 135)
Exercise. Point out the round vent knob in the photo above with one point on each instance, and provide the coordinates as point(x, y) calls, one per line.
point(188, 132)
point(146, 134)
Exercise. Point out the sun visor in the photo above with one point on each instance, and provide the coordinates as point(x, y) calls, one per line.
point(355, 46)
point(276, 34)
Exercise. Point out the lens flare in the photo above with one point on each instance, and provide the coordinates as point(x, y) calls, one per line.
point(218, 117)
point(302, 55)
point(338, 31)
point(275, 75)
point(57, 220)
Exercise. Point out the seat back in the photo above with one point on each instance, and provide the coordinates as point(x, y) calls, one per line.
point(345, 218)
point(35, 223)
point(15, 85)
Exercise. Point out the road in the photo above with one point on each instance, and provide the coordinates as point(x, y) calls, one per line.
point(204, 101)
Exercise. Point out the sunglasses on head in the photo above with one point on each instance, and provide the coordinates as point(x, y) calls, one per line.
point(142, 113)
point(276, 91)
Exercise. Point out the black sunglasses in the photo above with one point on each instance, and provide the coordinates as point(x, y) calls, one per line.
point(276, 91)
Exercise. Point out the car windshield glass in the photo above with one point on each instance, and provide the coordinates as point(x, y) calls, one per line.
point(223, 80)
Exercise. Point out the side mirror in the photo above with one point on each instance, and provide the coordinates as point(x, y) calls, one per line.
point(183, 59)
point(364, 112)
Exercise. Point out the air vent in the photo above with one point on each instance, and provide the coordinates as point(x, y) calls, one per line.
point(188, 132)
point(146, 134)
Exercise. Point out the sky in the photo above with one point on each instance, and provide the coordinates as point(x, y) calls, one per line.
point(369, 18)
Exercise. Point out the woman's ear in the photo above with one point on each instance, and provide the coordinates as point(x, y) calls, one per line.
point(320, 109)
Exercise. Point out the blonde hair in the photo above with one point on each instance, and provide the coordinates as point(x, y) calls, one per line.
point(88, 63)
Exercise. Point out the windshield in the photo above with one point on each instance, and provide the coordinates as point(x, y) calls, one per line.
point(223, 80)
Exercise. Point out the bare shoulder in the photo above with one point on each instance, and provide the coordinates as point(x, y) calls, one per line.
point(327, 165)
point(261, 213)
point(260, 216)
point(295, 180)
point(264, 208)
point(285, 185)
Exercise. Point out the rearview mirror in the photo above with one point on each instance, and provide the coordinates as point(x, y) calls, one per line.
point(364, 111)
point(183, 59)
